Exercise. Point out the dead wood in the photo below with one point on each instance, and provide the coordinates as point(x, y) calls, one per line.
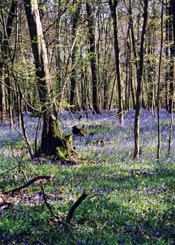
point(75, 205)
point(30, 182)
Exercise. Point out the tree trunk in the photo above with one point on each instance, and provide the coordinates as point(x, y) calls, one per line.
point(158, 89)
point(171, 34)
point(117, 60)
point(2, 94)
point(52, 142)
point(75, 20)
point(172, 6)
point(139, 85)
point(7, 61)
point(93, 63)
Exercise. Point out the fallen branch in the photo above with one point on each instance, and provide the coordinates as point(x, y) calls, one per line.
point(60, 221)
point(75, 205)
point(30, 182)
point(47, 204)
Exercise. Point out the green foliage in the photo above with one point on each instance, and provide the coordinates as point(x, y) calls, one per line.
point(130, 202)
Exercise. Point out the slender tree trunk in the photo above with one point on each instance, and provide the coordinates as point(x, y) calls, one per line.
point(167, 55)
point(172, 6)
point(171, 26)
point(113, 6)
point(75, 20)
point(139, 84)
point(104, 70)
point(93, 63)
point(2, 88)
point(2, 94)
point(158, 90)
point(7, 60)
point(58, 57)
point(131, 91)
point(150, 70)
point(133, 42)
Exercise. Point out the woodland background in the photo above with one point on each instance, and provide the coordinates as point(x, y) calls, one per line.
point(97, 55)
point(94, 51)
point(87, 132)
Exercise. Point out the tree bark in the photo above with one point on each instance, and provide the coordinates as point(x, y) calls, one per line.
point(172, 6)
point(139, 84)
point(75, 19)
point(113, 5)
point(171, 30)
point(39, 51)
point(93, 63)
point(52, 142)
point(158, 89)
point(6, 63)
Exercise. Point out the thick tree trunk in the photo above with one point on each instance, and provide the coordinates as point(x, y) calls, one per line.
point(39, 51)
point(52, 142)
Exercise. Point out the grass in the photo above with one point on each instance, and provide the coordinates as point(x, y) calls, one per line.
point(129, 202)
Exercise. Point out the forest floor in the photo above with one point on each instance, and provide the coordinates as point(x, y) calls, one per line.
point(126, 201)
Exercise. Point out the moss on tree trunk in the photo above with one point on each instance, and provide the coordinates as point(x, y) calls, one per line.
point(52, 142)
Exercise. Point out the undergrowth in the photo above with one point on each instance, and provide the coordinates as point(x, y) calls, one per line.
point(129, 201)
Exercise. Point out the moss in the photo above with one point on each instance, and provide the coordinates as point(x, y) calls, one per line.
point(68, 143)
point(53, 142)
point(61, 154)
point(54, 125)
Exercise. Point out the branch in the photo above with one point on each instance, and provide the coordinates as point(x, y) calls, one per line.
point(60, 221)
point(47, 204)
point(75, 205)
point(49, 178)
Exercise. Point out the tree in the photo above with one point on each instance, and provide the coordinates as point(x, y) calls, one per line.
point(113, 6)
point(172, 16)
point(7, 60)
point(93, 63)
point(158, 87)
point(52, 142)
point(75, 19)
point(139, 83)
point(170, 33)
point(130, 46)
point(2, 90)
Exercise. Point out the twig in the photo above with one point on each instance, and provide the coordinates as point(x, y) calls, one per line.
point(75, 205)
